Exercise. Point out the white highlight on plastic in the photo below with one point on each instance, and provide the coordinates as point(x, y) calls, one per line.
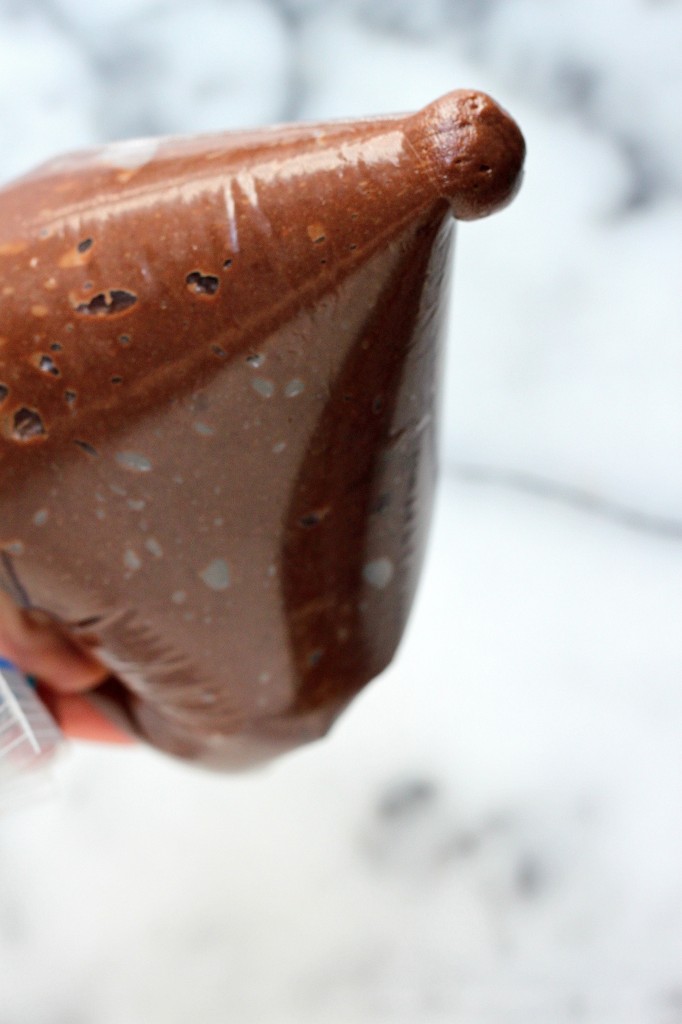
point(134, 461)
point(294, 387)
point(378, 573)
point(231, 216)
point(129, 155)
point(152, 545)
point(263, 386)
point(216, 575)
point(132, 560)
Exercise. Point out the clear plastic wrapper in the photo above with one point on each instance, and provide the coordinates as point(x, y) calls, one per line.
point(30, 740)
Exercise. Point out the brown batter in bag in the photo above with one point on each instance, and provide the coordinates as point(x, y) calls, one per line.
point(219, 365)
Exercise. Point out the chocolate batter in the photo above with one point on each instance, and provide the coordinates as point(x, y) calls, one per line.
point(219, 364)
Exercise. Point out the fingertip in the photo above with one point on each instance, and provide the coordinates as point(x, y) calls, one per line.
point(37, 646)
point(80, 719)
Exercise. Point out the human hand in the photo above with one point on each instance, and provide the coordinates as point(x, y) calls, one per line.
point(65, 673)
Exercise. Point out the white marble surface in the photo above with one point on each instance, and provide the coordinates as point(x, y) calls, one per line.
point(493, 831)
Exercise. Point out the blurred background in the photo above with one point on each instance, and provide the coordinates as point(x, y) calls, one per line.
point(492, 833)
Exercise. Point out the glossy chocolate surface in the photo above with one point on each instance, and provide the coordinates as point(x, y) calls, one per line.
point(219, 363)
